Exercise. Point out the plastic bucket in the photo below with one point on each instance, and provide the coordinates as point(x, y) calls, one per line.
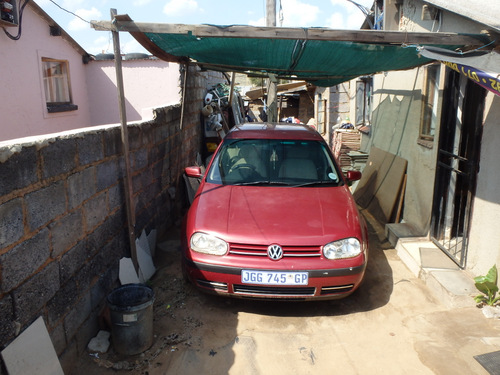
point(131, 310)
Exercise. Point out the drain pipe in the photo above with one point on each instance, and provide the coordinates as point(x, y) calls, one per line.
point(129, 201)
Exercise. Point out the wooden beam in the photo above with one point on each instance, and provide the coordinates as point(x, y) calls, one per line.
point(127, 182)
point(238, 31)
point(152, 47)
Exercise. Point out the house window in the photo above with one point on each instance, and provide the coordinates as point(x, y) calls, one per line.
point(430, 97)
point(57, 85)
point(364, 89)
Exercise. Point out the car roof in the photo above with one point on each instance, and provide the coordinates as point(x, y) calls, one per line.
point(266, 130)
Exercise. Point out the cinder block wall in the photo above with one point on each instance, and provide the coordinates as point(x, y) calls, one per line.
point(63, 218)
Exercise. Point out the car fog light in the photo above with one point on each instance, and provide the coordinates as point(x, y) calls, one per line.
point(346, 248)
point(208, 244)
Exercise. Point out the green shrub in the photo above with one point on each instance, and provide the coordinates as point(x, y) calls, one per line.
point(488, 286)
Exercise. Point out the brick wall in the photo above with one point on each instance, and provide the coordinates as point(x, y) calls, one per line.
point(63, 218)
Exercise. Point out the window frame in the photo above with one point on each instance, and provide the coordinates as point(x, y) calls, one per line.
point(52, 86)
point(430, 104)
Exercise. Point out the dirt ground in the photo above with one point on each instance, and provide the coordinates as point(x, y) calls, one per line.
point(391, 325)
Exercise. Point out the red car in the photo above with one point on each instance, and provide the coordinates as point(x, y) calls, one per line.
point(274, 218)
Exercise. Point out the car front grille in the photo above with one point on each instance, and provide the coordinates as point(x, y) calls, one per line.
point(261, 250)
point(271, 290)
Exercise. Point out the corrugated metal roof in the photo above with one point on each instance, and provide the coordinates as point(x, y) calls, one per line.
point(483, 11)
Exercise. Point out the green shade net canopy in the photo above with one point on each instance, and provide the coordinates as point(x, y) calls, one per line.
point(324, 63)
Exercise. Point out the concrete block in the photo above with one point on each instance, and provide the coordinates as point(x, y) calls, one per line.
point(31, 296)
point(7, 326)
point(87, 331)
point(140, 158)
point(18, 170)
point(110, 228)
point(62, 302)
point(100, 290)
point(81, 186)
point(24, 259)
point(96, 210)
point(45, 205)
point(78, 314)
point(395, 231)
point(115, 196)
point(58, 338)
point(90, 148)
point(69, 357)
point(72, 260)
point(108, 174)
point(65, 232)
point(58, 157)
point(452, 287)
point(11, 222)
point(112, 142)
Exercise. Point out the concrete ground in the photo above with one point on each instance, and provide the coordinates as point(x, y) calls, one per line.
point(395, 323)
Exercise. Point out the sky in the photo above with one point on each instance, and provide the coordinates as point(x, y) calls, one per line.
point(335, 14)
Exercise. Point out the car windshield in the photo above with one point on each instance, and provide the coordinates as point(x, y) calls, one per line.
point(271, 162)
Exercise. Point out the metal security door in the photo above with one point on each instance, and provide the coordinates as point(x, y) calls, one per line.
point(457, 165)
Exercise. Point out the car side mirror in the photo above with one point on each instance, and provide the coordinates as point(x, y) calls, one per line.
point(353, 175)
point(193, 172)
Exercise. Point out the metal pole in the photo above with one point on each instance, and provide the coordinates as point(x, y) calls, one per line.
point(129, 200)
point(272, 89)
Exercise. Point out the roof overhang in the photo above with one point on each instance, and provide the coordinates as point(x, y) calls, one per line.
point(324, 57)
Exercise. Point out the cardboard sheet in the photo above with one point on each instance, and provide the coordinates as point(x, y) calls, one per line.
point(379, 189)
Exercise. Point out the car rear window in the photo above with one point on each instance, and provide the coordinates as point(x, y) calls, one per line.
point(271, 162)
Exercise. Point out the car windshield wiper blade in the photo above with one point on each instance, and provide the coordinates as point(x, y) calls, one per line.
point(261, 182)
point(318, 182)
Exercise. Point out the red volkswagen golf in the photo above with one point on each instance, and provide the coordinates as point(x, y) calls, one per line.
point(274, 218)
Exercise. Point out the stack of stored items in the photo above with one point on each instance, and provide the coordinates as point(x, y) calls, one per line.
point(345, 141)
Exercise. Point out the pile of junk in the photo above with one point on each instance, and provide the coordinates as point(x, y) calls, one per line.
point(222, 109)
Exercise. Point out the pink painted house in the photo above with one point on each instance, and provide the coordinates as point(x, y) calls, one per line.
point(51, 84)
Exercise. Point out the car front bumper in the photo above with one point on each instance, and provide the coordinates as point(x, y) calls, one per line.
point(227, 280)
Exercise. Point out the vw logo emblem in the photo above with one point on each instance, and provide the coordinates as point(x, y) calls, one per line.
point(275, 252)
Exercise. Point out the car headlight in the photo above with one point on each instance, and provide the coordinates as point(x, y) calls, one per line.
point(346, 248)
point(208, 244)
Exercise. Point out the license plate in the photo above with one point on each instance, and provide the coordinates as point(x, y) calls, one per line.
point(274, 277)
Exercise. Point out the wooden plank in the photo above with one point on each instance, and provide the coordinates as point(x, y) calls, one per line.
point(238, 31)
point(152, 47)
point(129, 199)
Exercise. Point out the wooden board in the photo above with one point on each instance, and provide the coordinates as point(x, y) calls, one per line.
point(380, 186)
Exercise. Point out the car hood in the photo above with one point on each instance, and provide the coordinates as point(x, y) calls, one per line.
point(287, 215)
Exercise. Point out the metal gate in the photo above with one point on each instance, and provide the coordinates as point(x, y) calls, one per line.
point(457, 165)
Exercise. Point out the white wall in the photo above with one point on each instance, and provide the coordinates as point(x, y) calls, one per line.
point(23, 110)
point(484, 241)
point(148, 84)
point(395, 128)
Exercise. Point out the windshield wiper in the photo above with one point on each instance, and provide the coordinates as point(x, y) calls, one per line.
point(312, 183)
point(264, 182)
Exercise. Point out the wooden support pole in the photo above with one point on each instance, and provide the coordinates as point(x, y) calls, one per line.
point(272, 90)
point(184, 84)
point(129, 199)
